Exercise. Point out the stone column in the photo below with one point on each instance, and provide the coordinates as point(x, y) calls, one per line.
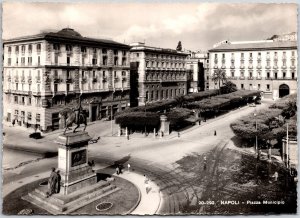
point(164, 125)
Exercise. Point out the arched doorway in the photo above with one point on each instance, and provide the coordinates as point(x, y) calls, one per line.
point(284, 90)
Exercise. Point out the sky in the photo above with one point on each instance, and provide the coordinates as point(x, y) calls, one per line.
point(197, 25)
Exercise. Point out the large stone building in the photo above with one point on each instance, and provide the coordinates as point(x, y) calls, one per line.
point(160, 74)
point(46, 73)
point(197, 71)
point(267, 65)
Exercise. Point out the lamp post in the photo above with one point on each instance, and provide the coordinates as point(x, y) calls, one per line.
point(255, 133)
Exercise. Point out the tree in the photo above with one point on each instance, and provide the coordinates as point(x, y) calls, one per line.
point(179, 46)
point(228, 87)
point(180, 100)
point(218, 77)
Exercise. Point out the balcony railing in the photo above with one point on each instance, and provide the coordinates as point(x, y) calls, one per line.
point(95, 79)
point(268, 67)
point(242, 77)
point(38, 79)
point(258, 77)
point(16, 79)
point(275, 67)
point(83, 80)
point(56, 80)
point(69, 80)
point(258, 67)
point(250, 78)
point(283, 67)
point(293, 67)
point(250, 67)
point(269, 78)
point(23, 79)
point(232, 67)
point(242, 67)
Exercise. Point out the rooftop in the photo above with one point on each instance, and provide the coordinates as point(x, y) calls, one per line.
point(66, 34)
point(139, 46)
point(254, 45)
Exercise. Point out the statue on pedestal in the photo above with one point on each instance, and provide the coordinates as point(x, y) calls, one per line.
point(76, 116)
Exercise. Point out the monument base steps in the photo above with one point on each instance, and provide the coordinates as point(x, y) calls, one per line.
point(65, 204)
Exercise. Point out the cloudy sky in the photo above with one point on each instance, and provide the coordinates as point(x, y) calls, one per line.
point(197, 25)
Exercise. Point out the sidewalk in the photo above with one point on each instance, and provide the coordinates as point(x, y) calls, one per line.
point(148, 205)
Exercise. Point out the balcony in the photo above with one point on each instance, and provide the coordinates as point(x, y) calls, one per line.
point(104, 79)
point(7, 91)
point(268, 78)
point(232, 67)
point(242, 67)
point(83, 80)
point(268, 67)
point(116, 79)
point(69, 52)
point(250, 67)
point(223, 67)
point(216, 67)
point(258, 78)
point(283, 67)
point(233, 78)
point(258, 67)
point(16, 79)
point(56, 80)
point(38, 79)
point(95, 79)
point(293, 67)
point(275, 67)
point(69, 80)
point(23, 79)
point(36, 93)
point(250, 78)
point(242, 77)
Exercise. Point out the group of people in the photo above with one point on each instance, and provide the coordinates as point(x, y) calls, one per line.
point(54, 182)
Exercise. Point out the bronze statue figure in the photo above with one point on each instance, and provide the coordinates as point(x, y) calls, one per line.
point(76, 116)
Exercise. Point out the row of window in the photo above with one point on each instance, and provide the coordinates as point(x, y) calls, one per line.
point(23, 61)
point(268, 75)
point(24, 100)
point(258, 55)
point(23, 48)
point(242, 63)
point(164, 64)
point(163, 94)
point(168, 57)
point(29, 116)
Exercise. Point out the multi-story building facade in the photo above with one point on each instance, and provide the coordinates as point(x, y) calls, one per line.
point(197, 71)
point(46, 73)
point(268, 65)
point(160, 73)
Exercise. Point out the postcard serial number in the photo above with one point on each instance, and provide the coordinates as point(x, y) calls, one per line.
point(206, 202)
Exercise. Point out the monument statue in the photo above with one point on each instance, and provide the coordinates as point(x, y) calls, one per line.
point(77, 116)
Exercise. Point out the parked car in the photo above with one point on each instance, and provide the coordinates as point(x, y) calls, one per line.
point(35, 135)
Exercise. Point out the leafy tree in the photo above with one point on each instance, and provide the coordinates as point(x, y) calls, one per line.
point(228, 87)
point(219, 76)
point(180, 100)
point(179, 46)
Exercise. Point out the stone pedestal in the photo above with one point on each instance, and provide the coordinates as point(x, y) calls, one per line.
point(73, 162)
point(164, 125)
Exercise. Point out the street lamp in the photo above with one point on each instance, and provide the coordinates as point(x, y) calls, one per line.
point(256, 132)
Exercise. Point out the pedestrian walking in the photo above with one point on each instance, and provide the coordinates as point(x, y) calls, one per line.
point(128, 137)
point(204, 163)
point(146, 181)
point(178, 134)
point(128, 166)
point(215, 133)
point(118, 170)
point(13, 122)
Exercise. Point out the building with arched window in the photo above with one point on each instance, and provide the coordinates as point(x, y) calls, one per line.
point(46, 73)
point(267, 65)
point(157, 70)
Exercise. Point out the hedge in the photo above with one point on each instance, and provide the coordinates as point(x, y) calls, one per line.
point(177, 115)
point(220, 101)
point(138, 119)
